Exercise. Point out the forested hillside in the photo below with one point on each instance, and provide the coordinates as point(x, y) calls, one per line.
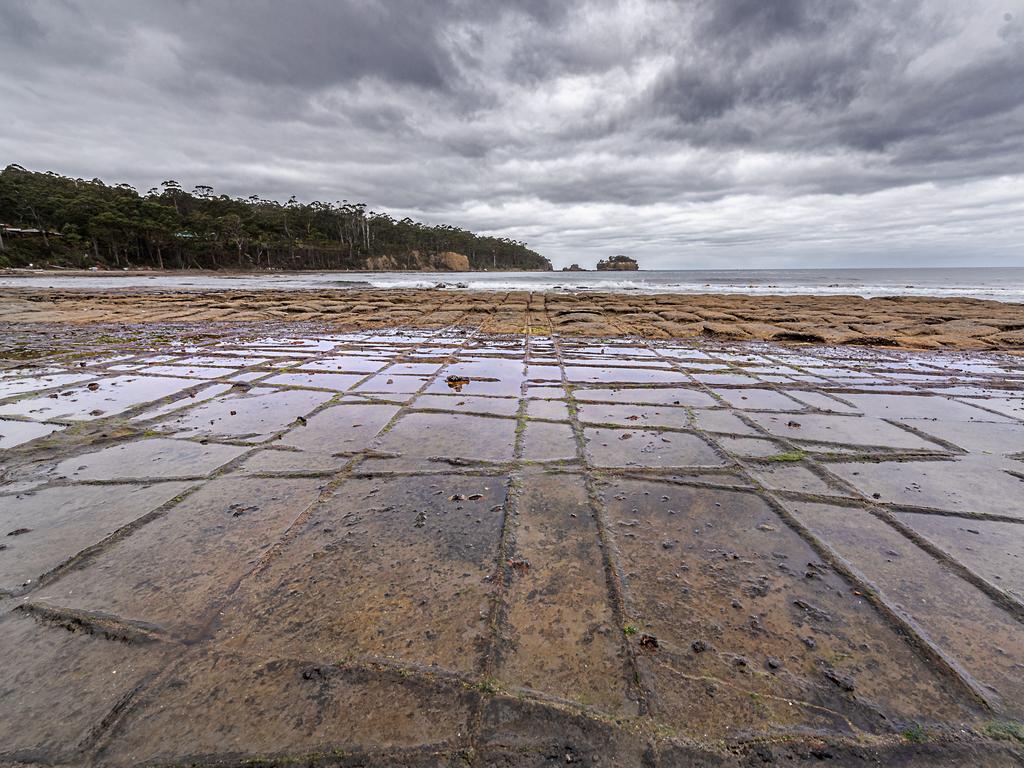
point(53, 219)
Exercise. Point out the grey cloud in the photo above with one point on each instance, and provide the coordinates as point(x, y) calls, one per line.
point(326, 43)
point(19, 25)
point(649, 126)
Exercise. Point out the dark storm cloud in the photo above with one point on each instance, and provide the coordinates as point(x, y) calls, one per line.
point(18, 25)
point(326, 43)
point(683, 132)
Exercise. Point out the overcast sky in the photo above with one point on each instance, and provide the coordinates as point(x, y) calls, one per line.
point(725, 133)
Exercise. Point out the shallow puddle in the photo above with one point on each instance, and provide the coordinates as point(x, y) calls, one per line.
point(106, 397)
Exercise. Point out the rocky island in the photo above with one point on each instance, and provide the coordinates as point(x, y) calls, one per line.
point(618, 263)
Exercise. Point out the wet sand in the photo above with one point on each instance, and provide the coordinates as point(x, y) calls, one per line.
point(901, 322)
point(227, 544)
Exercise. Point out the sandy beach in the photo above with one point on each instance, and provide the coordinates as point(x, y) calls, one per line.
point(903, 322)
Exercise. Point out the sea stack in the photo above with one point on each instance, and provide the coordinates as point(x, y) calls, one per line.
point(620, 262)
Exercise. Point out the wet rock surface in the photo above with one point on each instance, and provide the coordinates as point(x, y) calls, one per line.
point(280, 543)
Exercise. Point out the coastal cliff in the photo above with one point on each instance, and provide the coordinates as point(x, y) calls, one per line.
point(49, 220)
point(446, 261)
point(618, 263)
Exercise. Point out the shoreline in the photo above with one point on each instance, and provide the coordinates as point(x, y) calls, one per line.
point(894, 322)
point(996, 284)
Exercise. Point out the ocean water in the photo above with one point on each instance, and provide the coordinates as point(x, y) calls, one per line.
point(995, 283)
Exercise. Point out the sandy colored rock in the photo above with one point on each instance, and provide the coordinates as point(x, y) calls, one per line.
point(907, 322)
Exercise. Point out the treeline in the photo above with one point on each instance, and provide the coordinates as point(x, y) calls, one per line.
point(82, 223)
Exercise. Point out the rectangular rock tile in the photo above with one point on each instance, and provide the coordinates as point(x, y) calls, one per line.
point(630, 415)
point(971, 483)
point(44, 528)
point(494, 406)
point(269, 460)
point(714, 379)
point(992, 550)
point(792, 476)
point(57, 686)
point(957, 617)
point(415, 369)
point(613, 362)
point(605, 375)
point(511, 387)
point(562, 635)
point(238, 708)
point(646, 448)
point(539, 372)
point(740, 357)
point(979, 436)
point(195, 372)
point(759, 399)
point(386, 382)
point(750, 447)
point(692, 366)
point(235, 361)
point(344, 428)
point(108, 398)
point(751, 633)
point(254, 415)
point(346, 364)
point(1008, 406)
point(150, 458)
point(823, 402)
point(652, 395)
point(248, 376)
point(544, 441)
point(721, 421)
point(173, 570)
point(836, 428)
point(398, 569)
point(614, 350)
point(556, 410)
point(545, 391)
point(918, 407)
point(487, 367)
point(683, 354)
point(296, 344)
point(419, 437)
point(338, 382)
